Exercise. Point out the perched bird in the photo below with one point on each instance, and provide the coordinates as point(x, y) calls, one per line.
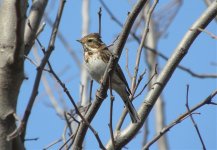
point(96, 57)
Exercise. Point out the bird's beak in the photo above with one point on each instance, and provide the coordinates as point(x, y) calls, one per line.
point(79, 41)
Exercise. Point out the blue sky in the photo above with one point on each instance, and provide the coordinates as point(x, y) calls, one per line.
point(45, 124)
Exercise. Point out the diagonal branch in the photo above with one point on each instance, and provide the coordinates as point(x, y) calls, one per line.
point(202, 76)
point(179, 53)
point(181, 67)
point(34, 19)
point(22, 129)
point(192, 119)
point(207, 100)
point(101, 93)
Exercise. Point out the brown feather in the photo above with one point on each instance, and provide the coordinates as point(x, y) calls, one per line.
point(122, 77)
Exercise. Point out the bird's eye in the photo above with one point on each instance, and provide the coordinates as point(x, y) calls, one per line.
point(90, 40)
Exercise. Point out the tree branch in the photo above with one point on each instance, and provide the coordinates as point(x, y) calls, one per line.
point(192, 119)
point(207, 100)
point(12, 21)
point(181, 50)
point(22, 129)
point(101, 93)
point(35, 16)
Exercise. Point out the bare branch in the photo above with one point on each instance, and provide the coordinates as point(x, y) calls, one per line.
point(34, 18)
point(100, 16)
point(208, 33)
point(181, 50)
point(32, 139)
point(52, 144)
point(75, 106)
point(124, 113)
point(183, 68)
point(85, 78)
point(149, 81)
point(110, 13)
point(192, 119)
point(127, 68)
point(22, 128)
point(208, 3)
point(155, 51)
point(101, 93)
point(207, 100)
point(90, 94)
point(64, 42)
point(139, 51)
point(112, 98)
point(151, 60)
point(116, 20)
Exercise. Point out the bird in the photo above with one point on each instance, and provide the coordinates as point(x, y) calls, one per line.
point(96, 58)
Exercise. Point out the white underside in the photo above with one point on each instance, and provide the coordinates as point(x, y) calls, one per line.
point(96, 67)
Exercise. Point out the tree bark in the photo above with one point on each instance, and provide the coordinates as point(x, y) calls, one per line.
point(12, 22)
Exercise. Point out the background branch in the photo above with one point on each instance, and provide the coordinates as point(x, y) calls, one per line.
point(34, 18)
point(178, 54)
point(167, 128)
point(101, 94)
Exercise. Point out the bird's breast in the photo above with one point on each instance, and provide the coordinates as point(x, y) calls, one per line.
point(95, 66)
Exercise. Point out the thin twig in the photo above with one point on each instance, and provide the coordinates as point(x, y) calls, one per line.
point(40, 29)
point(192, 119)
point(75, 106)
point(22, 128)
point(64, 42)
point(71, 99)
point(116, 20)
point(165, 130)
point(71, 137)
point(74, 119)
point(207, 100)
point(82, 90)
point(52, 144)
point(91, 88)
point(202, 76)
point(67, 141)
point(100, 16)
point(179, 53)
point(35, 16)
point(34, 63)
point(101, 93)
point(126, 66)
point(110, 13)
point(139, 51)
point(31, 139)
point(138, 56)
point(111, 113)
point(64, 136)
point(149, 81)
point(36, 37)
point(124, 113)
point(208, 33)
point(187, 70)
point(68, 122)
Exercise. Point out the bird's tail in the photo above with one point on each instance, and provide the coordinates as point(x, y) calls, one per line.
point(131, 109)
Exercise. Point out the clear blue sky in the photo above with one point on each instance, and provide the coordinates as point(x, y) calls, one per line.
point(48, 127)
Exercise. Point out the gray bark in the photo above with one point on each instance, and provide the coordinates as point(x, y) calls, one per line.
point(34, 19)
point(12, 21)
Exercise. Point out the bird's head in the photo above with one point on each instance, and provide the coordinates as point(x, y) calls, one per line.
point(91, 42)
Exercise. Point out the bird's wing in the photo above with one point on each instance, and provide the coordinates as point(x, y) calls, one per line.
point(122, 77)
